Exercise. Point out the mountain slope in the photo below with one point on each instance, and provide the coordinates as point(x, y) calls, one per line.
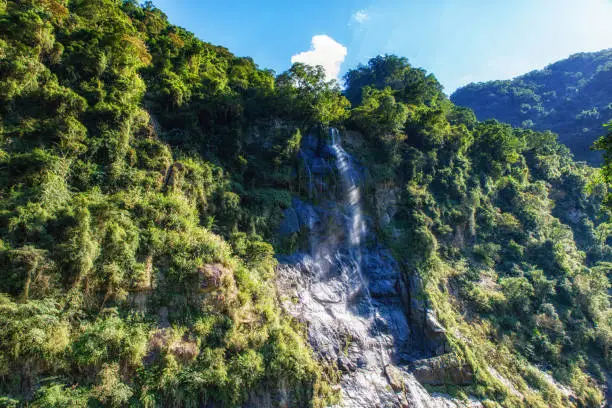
point(493, 221)
point(130, 272)
point(145, 176)
point(571, 97)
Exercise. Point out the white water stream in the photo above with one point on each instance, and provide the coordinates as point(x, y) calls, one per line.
point(347, 294)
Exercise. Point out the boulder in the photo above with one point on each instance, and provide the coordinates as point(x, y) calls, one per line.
point(443, 370)
point(217, 285)
point(395, 378)
point(423, 318)
point(435, 334)
point(212, 276)
point(386, 200)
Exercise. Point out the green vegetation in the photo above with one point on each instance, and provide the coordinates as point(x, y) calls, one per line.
point(605, 143)
point(507, 232)
point(571, 97)
point(132, 265)
point(143, 175)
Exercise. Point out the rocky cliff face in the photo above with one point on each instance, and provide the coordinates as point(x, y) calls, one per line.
point(386, 196)
point(361, 315)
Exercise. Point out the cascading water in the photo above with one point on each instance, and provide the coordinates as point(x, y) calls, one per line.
point(352, 194)
point(346, 289)
point(356, 226)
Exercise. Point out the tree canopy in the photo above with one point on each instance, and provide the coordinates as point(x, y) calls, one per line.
point(144, 174)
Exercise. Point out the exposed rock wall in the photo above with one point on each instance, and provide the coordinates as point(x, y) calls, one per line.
point(349, 291)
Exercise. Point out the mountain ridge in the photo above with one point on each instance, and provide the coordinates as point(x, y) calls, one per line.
point(570, 97)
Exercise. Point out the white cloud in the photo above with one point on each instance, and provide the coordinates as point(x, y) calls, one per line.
point(324, 51)
point(361, 16)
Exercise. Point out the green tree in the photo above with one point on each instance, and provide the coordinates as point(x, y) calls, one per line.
point(605, 143)
point(307, 95)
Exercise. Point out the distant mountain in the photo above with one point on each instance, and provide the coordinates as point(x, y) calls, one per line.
point(572, 97)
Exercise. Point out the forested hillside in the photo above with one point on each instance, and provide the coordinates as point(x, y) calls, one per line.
point(143, 177)
point(132, 271)
point(507, 232)
point(571, 97)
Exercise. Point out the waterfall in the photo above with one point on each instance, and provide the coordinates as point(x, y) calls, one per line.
point(351, 190)
point(348, 292)
point(355, 225)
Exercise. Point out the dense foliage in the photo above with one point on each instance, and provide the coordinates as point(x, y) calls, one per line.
point(572, 98)
point(143, 175)
point(507, 231)
point(130, 260)
point(605, 144)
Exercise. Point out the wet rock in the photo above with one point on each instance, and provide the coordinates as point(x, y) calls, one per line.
point(443, 370)
point(306, 214)
point(383, 289)
point(380, 265)
point(326, 293)
point(380, 325)
point(349, 295)
point(575, 215)
point(310, 142)
point(361, 362)
point(290, 224)
point(458, 239)
point(298, 217)
point(139, 300)
point(397, 319)
point(279, 395)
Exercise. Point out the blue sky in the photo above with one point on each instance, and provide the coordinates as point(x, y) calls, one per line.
point(460, 41)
